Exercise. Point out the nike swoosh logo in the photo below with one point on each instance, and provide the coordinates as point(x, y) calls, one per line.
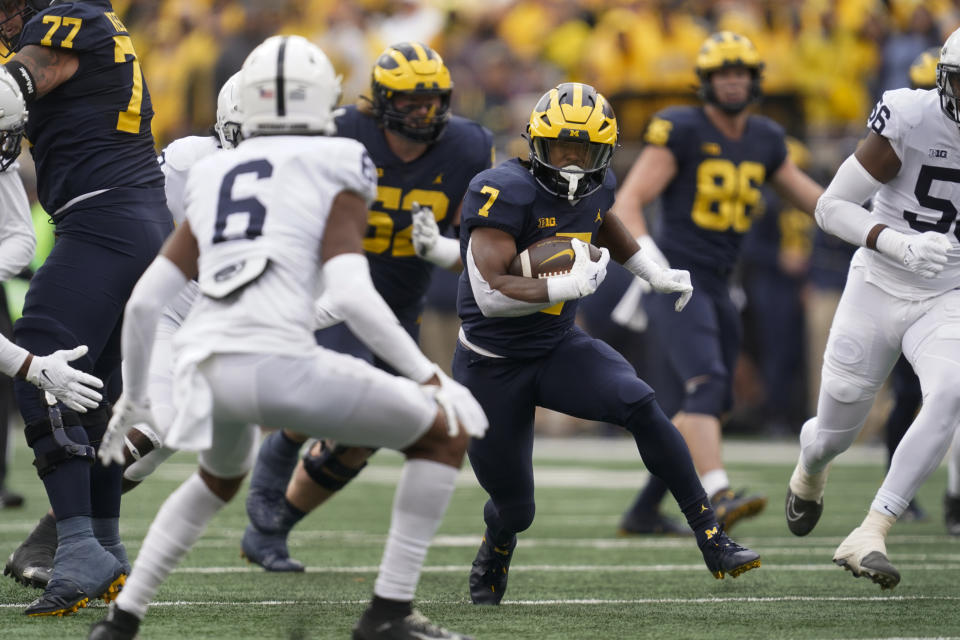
point(792, 514)
point(565, 252)
point(43, 372)
point(889, 510)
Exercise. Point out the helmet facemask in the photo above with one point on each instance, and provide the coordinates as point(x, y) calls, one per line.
point(569, 167)
point(948, 86)
point(425, 128)
point(9, 147)
point(708, 94)
point(11, 10)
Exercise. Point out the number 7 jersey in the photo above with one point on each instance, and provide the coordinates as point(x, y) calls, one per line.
point(923, 196)
point(93, 131)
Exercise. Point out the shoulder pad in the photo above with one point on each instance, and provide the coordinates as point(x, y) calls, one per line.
point(904, 104)
point(183, 153)
point(515, 184)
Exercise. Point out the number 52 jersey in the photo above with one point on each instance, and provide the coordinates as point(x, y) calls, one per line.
point(925, 193)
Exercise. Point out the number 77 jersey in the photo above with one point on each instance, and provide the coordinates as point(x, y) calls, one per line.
point(93, 131)
point(924, 195)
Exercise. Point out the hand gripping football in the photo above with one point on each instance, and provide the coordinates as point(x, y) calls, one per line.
point(548, 257)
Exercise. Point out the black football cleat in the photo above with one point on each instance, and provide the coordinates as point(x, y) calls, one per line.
point(724, 556)
point(268, 550)
point(488, 575)
point(730, 507)
point(31, 564)
point(802, 515)
point(118, 625)
point(951, 514)
point(10, 500)
point(651, 523)
point(415, 626)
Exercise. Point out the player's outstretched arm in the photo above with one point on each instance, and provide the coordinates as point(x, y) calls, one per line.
point(797, 187)
point(52, 373)
point(840, 212)
point(650, 174)
point(155, 289)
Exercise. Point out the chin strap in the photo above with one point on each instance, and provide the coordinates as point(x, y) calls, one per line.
point(572, 174)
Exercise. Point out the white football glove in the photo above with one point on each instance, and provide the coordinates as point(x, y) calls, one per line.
point(126, 415)
point(673, 281)
point(427, 241)
point(460, 407)
point(585, 275)
point(924, 254)
point(72, 387)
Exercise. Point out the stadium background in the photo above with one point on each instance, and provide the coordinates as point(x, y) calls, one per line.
point(827, 61)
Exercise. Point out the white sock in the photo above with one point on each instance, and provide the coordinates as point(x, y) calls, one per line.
point(953, 467)
point(808, 486)
point(419, 503)
point(714, 481)
point(180, 521)
point(889, 504)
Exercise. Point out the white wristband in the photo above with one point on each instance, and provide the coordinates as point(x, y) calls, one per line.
point(562, 288)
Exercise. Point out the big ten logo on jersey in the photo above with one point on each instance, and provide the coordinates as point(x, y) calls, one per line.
point(727, 194)
point(383, 231)
point(878, 118)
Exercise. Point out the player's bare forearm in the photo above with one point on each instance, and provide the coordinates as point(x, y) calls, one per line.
point(614, 236)
point(797, 187)
point(493, 251)
point(49, 67)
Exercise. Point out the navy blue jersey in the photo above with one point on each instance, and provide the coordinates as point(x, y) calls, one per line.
point(93, 131)
point(508, 198)
point(710, 203)
point(438, 179)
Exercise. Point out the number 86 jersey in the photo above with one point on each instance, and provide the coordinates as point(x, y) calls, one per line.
point(923, 196)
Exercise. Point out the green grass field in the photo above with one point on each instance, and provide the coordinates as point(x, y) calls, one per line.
point(571, 578)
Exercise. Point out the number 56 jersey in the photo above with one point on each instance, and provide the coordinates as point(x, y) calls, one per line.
point(259, 213)
point(923, 196)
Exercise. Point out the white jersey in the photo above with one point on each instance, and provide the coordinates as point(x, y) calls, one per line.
point(258, 213)
point(175, 162)
point(923, 196)
point(17, 239)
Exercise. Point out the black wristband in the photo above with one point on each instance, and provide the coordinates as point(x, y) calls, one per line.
point(24, 79)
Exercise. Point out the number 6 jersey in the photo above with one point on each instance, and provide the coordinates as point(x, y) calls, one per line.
point(259, 213)
point(925, 193)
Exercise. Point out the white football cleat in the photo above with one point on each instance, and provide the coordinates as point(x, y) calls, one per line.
point(864, 553)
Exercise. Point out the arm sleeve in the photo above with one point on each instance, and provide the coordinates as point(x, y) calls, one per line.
point(839, 211)
point(352, 296)
point(11, 357)
point(17, 239)
point(157, 287)
point(492, 303)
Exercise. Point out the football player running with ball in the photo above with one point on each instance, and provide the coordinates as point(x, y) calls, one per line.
point(519, 347)
point(902, 295)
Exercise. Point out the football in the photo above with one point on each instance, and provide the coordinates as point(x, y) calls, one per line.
point(548, 257)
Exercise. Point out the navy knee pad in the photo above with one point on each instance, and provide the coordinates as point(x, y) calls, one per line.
point(327, 470)
point(709, 395)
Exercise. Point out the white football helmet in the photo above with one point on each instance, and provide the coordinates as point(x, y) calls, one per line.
point(228, 113)
point(13, 117)
point(948, 77)
point(287, 86)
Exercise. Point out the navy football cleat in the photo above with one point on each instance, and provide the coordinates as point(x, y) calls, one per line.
point(31, 564)
point(118, 625)
point(269, 550)
point(730, 507)
point(802, 515)
point(724, 556)
point(82, 571)
point(651, 523)
point(415, 626)
point(488, 575)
